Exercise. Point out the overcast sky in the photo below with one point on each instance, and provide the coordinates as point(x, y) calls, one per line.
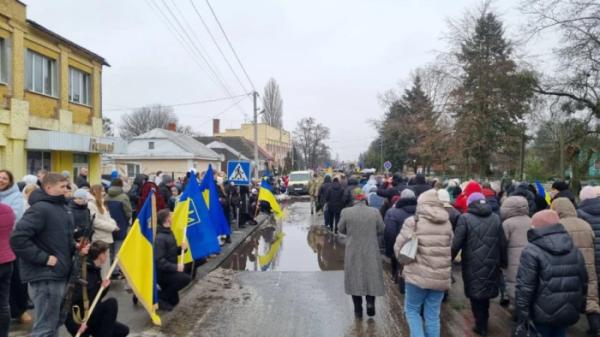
point(330, 58)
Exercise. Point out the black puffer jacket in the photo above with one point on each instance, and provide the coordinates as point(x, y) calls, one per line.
point(45, 229)
point(420, 185)
point(523, 191)
point(81, 220)
point(394, 219)
point(480, 236)
point(335, 198)
point(323, 190)
point(589, 210)
point(166, 250)
point(552, 279)
point(565, 194)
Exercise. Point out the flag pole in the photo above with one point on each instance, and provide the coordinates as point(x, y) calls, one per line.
point(181, 257)
point(98, 296)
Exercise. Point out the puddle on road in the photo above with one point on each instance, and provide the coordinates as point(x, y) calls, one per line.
point(299, 243)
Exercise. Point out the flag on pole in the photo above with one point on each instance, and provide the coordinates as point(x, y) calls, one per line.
point(265, 194)
point(211, 196)
point(191, 217)
point(136, 258)
point(542, 192)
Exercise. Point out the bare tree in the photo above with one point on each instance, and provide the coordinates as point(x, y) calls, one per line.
point(272, 105)
point(148, 118)
point(107, 127)
point(309, 140)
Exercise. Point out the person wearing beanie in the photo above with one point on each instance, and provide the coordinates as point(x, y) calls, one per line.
point(480, 237)
point(583, 238)
point(453, 213)
point(560, 189)
point(461, 201)
point(81, 213)
point(491, 197)
point(363, 269)
point(429, 276)
point(552, 278)
point(394, 218)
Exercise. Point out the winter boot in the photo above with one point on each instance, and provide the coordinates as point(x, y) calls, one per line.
point(594, 324)
point(358, 309)
point(371, 306)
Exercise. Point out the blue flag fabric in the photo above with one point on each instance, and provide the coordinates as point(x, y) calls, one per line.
point(215, 210)
point(201, 236)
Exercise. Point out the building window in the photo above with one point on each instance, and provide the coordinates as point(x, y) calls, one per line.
point(133, 170)
point(79, 86)
point(40, 74)
point(4, 66)
point(37, 160)
point(150, 145)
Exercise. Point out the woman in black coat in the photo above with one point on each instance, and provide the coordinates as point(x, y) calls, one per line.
point(552, 277)
point(480, 237)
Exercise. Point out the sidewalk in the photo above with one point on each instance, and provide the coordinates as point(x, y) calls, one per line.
point(135, 316)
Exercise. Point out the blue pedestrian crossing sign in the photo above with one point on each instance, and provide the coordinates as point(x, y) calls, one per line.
point(238, 172)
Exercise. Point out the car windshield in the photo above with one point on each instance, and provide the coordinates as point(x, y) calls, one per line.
point(299, 176)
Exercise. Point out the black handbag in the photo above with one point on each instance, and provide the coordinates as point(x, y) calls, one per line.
point(525, 329)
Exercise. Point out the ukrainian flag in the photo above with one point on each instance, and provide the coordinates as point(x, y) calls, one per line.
point(265, 194)
point(136, 258)
point(191, 221)
point(211, 197)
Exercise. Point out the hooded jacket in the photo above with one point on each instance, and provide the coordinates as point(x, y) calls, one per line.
point(583, 238)
point(420, 185)
point(492, 199)
point(394, 219)
point(7, 222)
point(335, 197)
point(115, 193)
point(323, 190)
point(104, 225)
point(480, 236)
point(516, 223)
point(45, 229)
point(461, 201)
point(523, 191)
point(433, 264)
point(552, 279)
point(589, 210)
point(12, 197)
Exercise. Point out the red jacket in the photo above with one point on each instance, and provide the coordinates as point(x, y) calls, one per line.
point(7, 222)
point(461, 201)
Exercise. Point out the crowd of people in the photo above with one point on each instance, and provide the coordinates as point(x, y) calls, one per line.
point(53, 227)
point(539, 252)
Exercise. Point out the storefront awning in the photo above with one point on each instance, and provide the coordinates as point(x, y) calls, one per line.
point(62, 141)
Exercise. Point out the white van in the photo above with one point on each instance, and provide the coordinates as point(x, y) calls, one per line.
point(298, 182)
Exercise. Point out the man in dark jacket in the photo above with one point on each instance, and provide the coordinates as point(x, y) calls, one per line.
point(522, 190)
point(491, 197)
point(397, 187)
point(170, 272)
point(82, 179)
point(164, 188)
point(103, 321)
point(560, 189)
point(335, 199)
point(480, 236)
point(420, 185)
point(552, 277)
point(43, 241)
point(321, 196)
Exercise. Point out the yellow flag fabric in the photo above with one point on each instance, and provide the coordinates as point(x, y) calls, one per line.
point(179, 225)
point(136, 259)
point(265, 194)
point(264, 261)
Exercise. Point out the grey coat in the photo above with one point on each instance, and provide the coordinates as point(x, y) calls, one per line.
point(363, 272)
point(516, 223)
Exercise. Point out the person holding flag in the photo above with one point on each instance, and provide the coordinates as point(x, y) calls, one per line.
point(265, 194)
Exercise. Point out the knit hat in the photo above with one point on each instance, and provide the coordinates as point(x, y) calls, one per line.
point(81, 194)
point(407, 194)
point(475, 197)
point(358, 195)
point(560, 186)
point(444, 197)
point(545, 218)
point(588, 192)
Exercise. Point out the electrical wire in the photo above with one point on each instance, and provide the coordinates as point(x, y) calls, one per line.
point(191, 103)
point(222, 112)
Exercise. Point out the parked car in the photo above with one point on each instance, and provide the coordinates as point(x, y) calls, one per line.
point(298, 182)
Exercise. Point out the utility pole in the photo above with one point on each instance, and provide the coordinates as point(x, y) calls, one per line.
point(256, 163)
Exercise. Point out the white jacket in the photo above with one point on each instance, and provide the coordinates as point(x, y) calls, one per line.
point(103, 224)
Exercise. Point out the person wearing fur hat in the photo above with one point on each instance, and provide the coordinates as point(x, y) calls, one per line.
point(480, 237)
point(552, 278)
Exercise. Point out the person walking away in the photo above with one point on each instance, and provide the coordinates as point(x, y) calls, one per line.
point(313, 189)
point(461, 201)
point(405, 207)
point(552, 278)
point(7, 258)
point(453, 213)
point(12, 197)
point(515, 222)
point(589, 210)
point(480, 237)
point(43, 242)
point(321, 197)
point(170, 272)
point(420, 185)
point(429, 276)
point(363, 271)
point(103, 321)
point(584, 239)
point(560, 189)
point(335, 199)
point(82, 179)
point(104, 225)
point(491, 197)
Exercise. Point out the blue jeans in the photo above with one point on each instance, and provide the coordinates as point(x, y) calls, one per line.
point(414, 299)
point(551, 331)
point(47, 297)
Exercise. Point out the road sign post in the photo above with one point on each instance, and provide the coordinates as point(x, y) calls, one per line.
point(387, 166)
point(238, 172)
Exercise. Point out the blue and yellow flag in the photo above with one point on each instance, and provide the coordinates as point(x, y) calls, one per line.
point(136, 259)
point(191, 217)
point(211, 196)
point(542, 192)
point(265, 194)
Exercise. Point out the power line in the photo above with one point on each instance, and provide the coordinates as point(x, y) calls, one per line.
point(224, 111)
point(230, 44)
point(191, 103)
point(217, 45)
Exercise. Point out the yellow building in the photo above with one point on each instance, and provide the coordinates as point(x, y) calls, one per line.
point(277, 142)
point(50, 99)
